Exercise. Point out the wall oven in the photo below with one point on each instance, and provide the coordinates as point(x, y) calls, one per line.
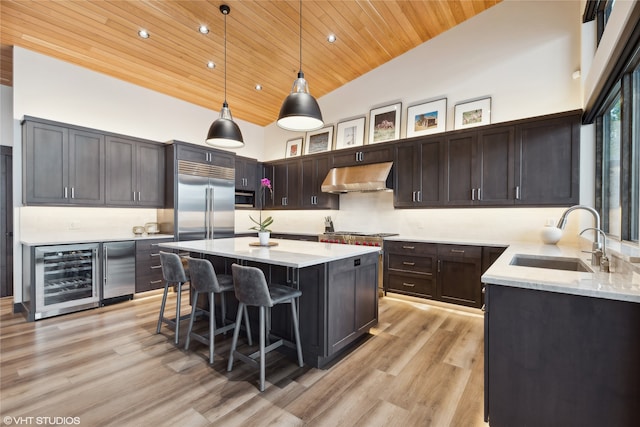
point(245, 199)
point(63, 279)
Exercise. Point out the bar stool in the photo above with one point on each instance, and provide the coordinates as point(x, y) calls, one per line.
point(203, 279)
point(172, 272)
point(252, 289)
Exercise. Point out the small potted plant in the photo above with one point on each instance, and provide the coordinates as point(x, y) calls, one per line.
point(262, 226)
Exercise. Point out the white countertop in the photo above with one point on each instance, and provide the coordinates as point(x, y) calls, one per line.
point(288, 253)
point(616, 285)
point(73, 237)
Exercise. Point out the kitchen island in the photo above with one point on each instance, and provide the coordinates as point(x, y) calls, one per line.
point(339, 284)
point(561, 347)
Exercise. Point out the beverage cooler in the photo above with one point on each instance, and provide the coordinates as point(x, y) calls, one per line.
point(60, 279)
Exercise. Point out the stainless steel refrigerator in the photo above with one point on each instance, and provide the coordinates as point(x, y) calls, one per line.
point(203, 196)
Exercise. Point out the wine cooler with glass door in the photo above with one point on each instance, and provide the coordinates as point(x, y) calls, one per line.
point(62, 279)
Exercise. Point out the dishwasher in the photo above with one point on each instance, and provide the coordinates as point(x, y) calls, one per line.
point(119, 271)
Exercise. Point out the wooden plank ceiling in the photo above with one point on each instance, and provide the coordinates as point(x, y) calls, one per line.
point(262, 43)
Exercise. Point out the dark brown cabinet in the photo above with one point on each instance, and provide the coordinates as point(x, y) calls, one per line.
point(553, 359)
point(362, 155)
point(547, 161)
point(246, 174)
point(526, 162)
point(314, 171)
point(135, 172)
point(449, 273)
point(286, 182)
point(62, 165)
point(418, 173)
point(148, 268)
point(202, 154)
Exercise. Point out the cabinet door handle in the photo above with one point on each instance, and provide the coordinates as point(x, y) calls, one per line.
point(408, 263)
point(155, 267)
point(517, 192)
point(65, 193)
point(154, 255)
point(457, 251)
point(73, 192)
point(155, 282)
point(134, 196)
point(439, 264)
point(413, 196)
point(411, 285)
point(473, 194)
point(408, 247)
point(479, 194)
point(419, 196)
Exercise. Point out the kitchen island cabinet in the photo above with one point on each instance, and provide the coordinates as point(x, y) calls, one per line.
point(339, 284)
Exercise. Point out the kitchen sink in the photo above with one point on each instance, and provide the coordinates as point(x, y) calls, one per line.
point(550, 262)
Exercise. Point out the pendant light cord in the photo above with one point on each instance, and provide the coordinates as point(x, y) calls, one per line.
point(300, 36)
point(225, 57)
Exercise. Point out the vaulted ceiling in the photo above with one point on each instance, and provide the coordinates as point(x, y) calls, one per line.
point(263, 44)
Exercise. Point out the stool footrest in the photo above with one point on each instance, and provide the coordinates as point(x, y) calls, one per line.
point(204, 338)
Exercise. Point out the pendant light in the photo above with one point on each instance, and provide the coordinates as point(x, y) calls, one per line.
point(224, 132)
point(300, 111)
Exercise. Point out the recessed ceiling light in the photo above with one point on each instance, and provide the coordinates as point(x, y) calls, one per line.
point(203, 29)
point(258, 87)
point(331, 38)
point(143, 34)
point(211, 65)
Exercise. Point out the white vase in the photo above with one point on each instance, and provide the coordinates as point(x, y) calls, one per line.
point(550, 234)
point(263, 236)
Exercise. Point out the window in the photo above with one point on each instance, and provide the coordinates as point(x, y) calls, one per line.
point(612, 221)
point(634, 214)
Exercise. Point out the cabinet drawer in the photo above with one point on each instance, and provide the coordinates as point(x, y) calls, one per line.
point(461, 251)
point(418, 264)
point(411, 284)
point(150, 244)
point(411, 248)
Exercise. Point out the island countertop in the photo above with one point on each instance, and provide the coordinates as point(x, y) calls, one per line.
point(617, 285)
point(287, 253)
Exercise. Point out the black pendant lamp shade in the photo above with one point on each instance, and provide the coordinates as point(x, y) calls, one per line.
point(224, 132)
point(300, 111)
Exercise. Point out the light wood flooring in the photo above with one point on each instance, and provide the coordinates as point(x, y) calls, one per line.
point(422, 366)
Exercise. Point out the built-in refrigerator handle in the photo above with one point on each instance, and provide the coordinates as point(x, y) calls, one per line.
point(211, 211)
point(206, 212)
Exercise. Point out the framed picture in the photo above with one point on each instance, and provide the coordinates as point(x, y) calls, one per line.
point(350, 133)
point(319, 140)
point(427, 118)
point(294, 148)
point(384, 123)
point(473, 113)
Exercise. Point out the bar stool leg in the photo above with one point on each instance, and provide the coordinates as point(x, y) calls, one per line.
point(212, 325)
point(178, 312)
point(246, 323)
point(164, 303)
point(223, 310)
point(191, 319)
point(296, 331)
point(236, 331)
point(262, 353)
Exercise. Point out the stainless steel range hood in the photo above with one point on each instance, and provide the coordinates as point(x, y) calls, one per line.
point(371, 177)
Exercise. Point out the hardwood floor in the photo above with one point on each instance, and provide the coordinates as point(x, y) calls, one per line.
point(422, 366)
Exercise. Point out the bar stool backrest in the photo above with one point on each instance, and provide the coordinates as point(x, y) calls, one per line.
point(203, 276)
point(172, 269)
point(251, 286)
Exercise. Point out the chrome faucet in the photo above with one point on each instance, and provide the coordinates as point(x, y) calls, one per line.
point(604, 260)
point(596, 247)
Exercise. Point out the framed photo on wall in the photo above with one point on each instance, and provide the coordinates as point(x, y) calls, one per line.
point(384, 123)
point(427, 118)
point(473, 113)
point(350, 133)
point(294, 147)
point(319, 140)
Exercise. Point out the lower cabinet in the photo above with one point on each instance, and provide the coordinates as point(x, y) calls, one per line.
point(448, 273)
point(553, 359)
point(148, 268)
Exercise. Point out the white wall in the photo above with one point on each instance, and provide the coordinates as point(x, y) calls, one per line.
point(6, 115)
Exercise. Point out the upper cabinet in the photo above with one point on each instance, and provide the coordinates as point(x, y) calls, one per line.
point(285, 180)
point(314, 171)
point(201, 154)
point(246, 174)
point(62, 165)
point(69, 165)
point(547, 164)
point(377, 153)
point(531, 162)
point(135, 173)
